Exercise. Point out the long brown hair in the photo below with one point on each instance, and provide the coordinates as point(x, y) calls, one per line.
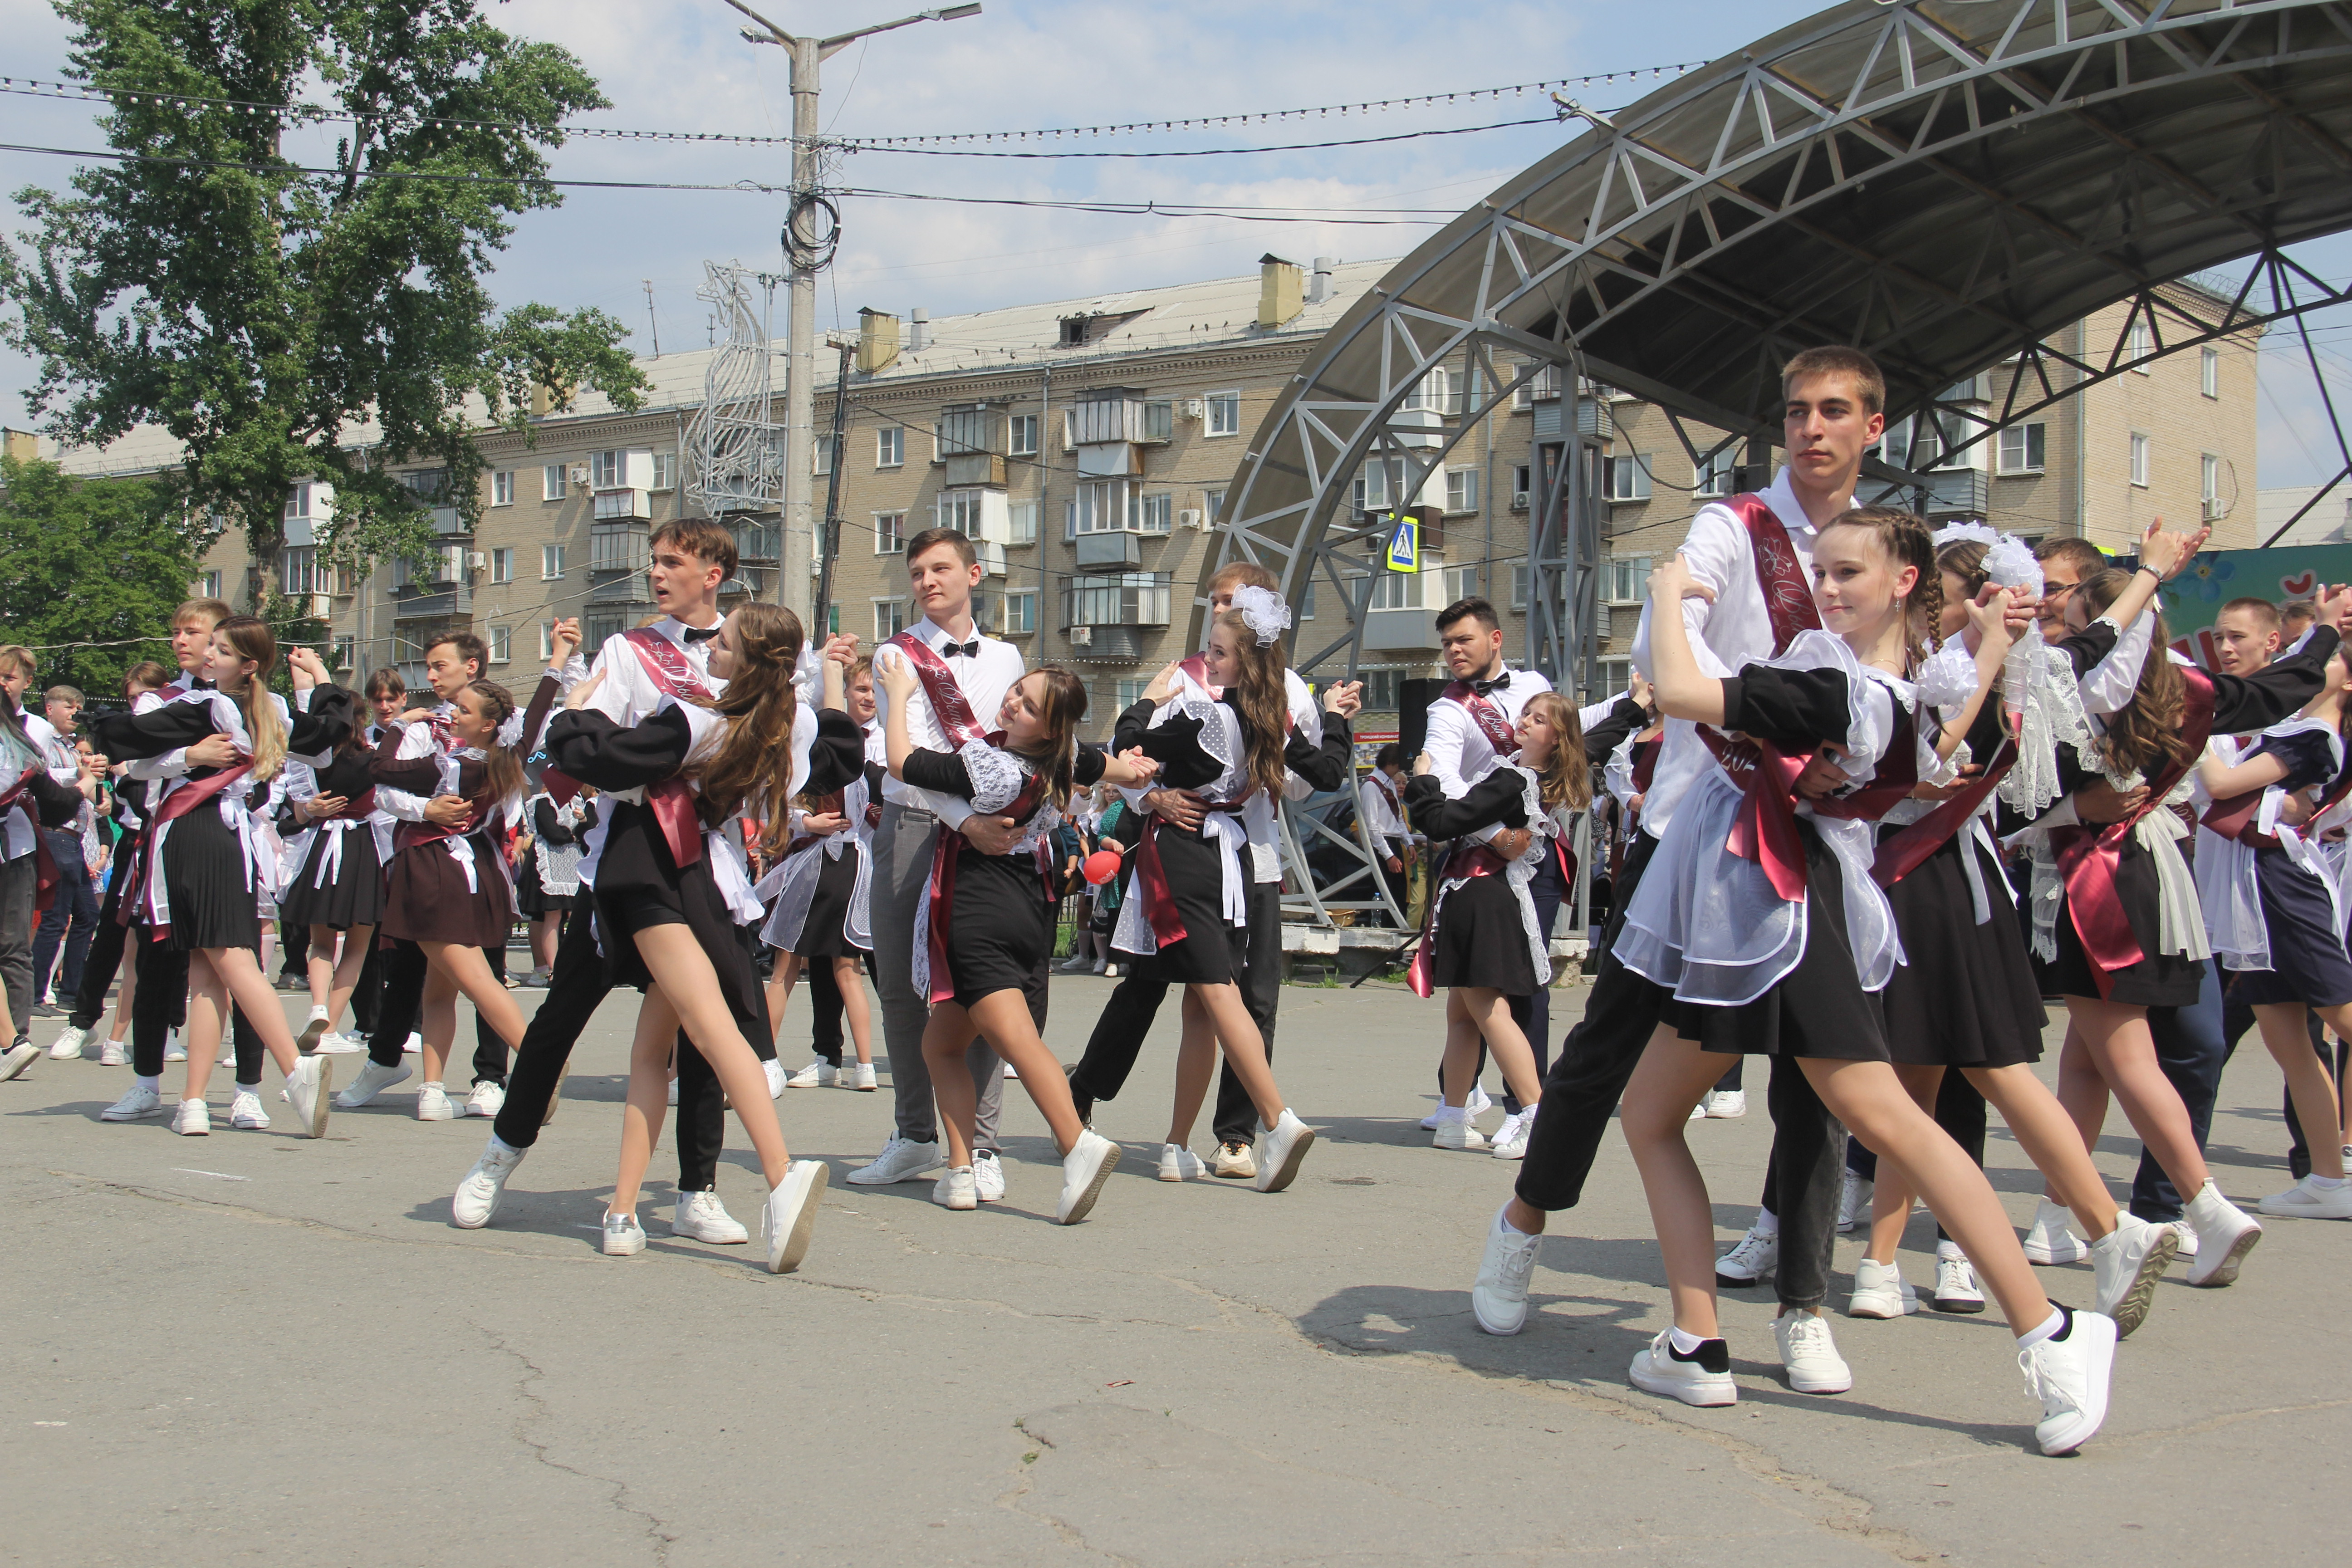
point(2146, 733)
point(250, 636)
point(1905, 540)
point(1062, 710)
point(753, 760)
point(502, 775)
point(1262, 697)
point(1567, 779)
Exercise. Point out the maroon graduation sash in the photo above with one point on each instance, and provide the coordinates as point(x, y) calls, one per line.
point(1788, 597)
point(946, 846)
point(1904, 852)
point(666, 663)
point(2087, 855)
point(1765, 831)
point(1151, 876)
point(949, 705)
point(1486, 715)
point(47, 878)
point(2234, 818)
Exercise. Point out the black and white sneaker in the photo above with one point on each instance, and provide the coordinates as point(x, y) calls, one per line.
point(1703, 1377)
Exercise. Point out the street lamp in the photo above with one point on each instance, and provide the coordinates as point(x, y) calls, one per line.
point(800, 376)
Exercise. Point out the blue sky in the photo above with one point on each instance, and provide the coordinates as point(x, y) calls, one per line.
point(679, 64)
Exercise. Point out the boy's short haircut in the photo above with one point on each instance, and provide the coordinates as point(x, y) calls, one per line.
point(1244, 574)
point(65, 694)
point(2297, 614)
point(467, 644)
point(147, 675)
point(1869, 381)
point(2087, 559)
point(13, 656)
point(212, 610)
point(385, 682)
point(1466, 608)
point(930, 538)
point(2266, 615)
point(710, 543)
point(1390, 756)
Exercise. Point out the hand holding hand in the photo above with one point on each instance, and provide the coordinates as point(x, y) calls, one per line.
point(214, 750)
point(562, 642)
point(2334, 605)
point(990, 835)
point(448, 811)
point(308, 668)
point(841, 650)
point(1149, 767)
point(1345, 697)
point(1989, 623)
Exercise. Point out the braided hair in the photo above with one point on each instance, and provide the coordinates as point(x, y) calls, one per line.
point(1905, 540)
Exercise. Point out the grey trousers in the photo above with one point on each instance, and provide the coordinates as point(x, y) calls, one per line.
point(902, 874)
point(19, 884)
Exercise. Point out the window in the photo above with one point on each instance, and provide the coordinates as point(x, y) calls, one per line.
point(1436, 392)
point(2209, 371)
point(502, 565)
point(1225, 414)
point(344, 654)
point(1381, 689)
point(1462, 489)
point(1212, 503)
point(298, 569)
point(1379, 480)
point(959, 510)
point(1159, 420)
point(2022, 447)
point(962, 430)
point(547, 639)
point(1629, 477)
point(595, 629)
point(1399, 590)
point(603, 470)
point(2209, 486)
point(889, 533)
point(1520, 477)
point(298, 502)
point(1158, 513)
point(2138, 344)
point(501, 644)
point(617, 547)
point(1307, 600)
point(1541, 387)
point(1625, 582)
point(1519, 585)
point(1023, 436)
point(2139, 459)
point(502, 487)
point(1020, 614)
point(1120, 599)
point(553, 485)
point(665, 470)
point(550, 562)
point(821, 455)
point(428, 485)
point(211, 584)
point(1461, 583)
point(1022, 515)
point(889, 618)
point(1107, 506)
point(1718, 473)
point(890, 447)
point(1130, 693)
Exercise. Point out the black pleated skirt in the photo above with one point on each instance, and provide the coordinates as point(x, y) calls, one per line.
point(825, 933)
point(1000, 926)
point(205, 881)
point(1480, 939)
point(1967, 997)
point(1213, 951)
point(2309, 963)
point(2158, 980)
point(356, 897)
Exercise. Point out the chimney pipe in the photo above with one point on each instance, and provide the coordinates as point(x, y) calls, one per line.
point(918, 330)
point(1319, 288)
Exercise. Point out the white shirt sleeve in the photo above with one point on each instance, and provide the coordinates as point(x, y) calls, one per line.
point(399, 805)
point(1448, 727)
point(2108, 685)
point(1718, 552)
point(1594, 712)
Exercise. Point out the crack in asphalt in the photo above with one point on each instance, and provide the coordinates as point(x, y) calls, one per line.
point(658, 1532)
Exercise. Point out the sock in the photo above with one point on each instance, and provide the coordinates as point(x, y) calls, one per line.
point(1950, 1249)
point(1502, 1219)
point(153, 1085)
point(434, 1083)
point(502, 1146)
point(1686, 1343)
point(317, 1011)
point(2060, 1321)
point(1767, 1223)
point(2327, 1184)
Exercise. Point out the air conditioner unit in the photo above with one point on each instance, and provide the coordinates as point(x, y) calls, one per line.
point(1195, 409)
point(1192, 517)
point(579, 473)
point(1082, 637)
point(476, 561)
point(1518, 501)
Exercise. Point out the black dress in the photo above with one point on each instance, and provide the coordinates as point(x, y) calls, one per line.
point(209, 883)
point(1479, 932)
point(531, 895)
point(2308, 963)
point(353, 890)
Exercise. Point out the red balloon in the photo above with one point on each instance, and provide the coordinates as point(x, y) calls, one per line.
point(1102, 866)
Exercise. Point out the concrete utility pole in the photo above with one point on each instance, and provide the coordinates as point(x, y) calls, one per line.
point(801, 242)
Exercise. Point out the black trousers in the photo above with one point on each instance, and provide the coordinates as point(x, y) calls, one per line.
point(160, 1004)
point(367, 991)
point(398, 1003)
point(824, 1010)
point(1400, 881)
point(575, 989)
point(107, 945)
point(1118, 1034)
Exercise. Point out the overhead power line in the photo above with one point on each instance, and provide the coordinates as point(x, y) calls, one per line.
point(1213, 152)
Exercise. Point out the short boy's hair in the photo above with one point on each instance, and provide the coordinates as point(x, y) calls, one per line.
point(1390, 756)
point(2086, 558)
point(1869, 381)
point(710, 543)
point(1244, 574)
point(14, 655)
point(385, 682)
point(930, 538)
point(2297, 614)
point(212, 610)
point(147, 675)
point(65, 694)
point(2265, 614)
point(1462, 609)
point(467, 644)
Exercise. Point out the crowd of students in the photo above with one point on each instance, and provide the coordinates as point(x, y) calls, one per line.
point(1852, 744)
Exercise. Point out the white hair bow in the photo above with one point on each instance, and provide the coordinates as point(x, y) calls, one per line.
point(1264, 612)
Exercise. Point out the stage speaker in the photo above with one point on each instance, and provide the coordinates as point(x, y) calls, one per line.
point(1413, 698)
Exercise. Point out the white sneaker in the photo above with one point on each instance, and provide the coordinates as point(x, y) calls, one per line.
point(1726, 1104)
point(1178, 1164)
point(1659, 1368)
point(1810, 1354)
point(987, 1176)
point(487, 1099)
point(245, 1112)
point(432, 1104)
point(1698, 1111)
point(1234, 1162)
point(136, 1106)
point(17, 1058)
point(673, 1092)
point(1510, 1140)
point(1498, 1301)
point(173, 1050)
point(2304, 1201)
point(789, 1213)
point(1477, 1103)
point(193, 1120)
point(1756, 1255)
point(818, 1074)
point(334, 1044)
point(1956, 1289)
point(2126, 1264)
point(1853, 1202)
point(623, 1236)
point(775, 1070)
point(1457, 1131)
point(1084, 1169)
point(67, 1046)
point(701, 1217)
point(478, 1193)
point(858, 1076)
point(953, 1190)
point(2070, 1377)
point(899, 1161)
point(2049, 1239)
point(1286, 1142)
point(373, 1079)
point(2225, 1233)
point(2187, 1247)
point(412, 1045)
point(1879, 1291)
point(113, 1053)
point(306, 1092)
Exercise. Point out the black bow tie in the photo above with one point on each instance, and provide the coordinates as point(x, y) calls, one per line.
point(200, 684)
point(1484, 686)
point(694, 635)
point(953, 649)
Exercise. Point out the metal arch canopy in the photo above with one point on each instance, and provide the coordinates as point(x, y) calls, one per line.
point(1943, 183)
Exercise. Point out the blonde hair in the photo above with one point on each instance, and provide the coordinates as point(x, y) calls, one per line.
point(251, 637)
point(1567, 779)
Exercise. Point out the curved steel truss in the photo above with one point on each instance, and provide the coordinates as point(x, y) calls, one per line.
point(1947, 183)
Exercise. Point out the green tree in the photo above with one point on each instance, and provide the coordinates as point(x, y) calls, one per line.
point(94, 563)
point(284, 324)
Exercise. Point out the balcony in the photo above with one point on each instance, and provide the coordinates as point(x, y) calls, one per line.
point(1118, 549)
point(1100, 420)
point(1965, 492)
point(1397, 631)
point(619, 547)
point(433, 602)
point(965, 470)
point(626, 589)
point(1128, 599)
point(1106, 645)
point(449, 523)
point(623, 505)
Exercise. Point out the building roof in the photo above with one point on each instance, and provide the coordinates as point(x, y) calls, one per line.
point(2328, 521)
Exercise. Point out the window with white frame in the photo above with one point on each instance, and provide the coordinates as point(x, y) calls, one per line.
point(959, 510)
point(1307, 600)
point(344, 653)
point(603, 470)
point(1521, 474)
point(297, 570)
point(501, 644)
point(547, 639)
point(1213, 505)
point(1716, 473)
point(2023, 448)
point(1158, 513)
point(1541, 387)
point(1399, 590)
point(1439, 391)
point(298, 502)
point(1379, 485)
point(210, 585)
point(1021, 517)
point(1021, 435)
point(1629, 475)
point(2139, 459)
point(1127, 693)
point(550, 562)
point(502, 565)
point(552, 483)
point(1223, 415)
point(2209, 371)
point(962, 430)
point(1462, 583)
point(889, 533)
point(890, 447)
point(2139, 343)
point(2208, 481)
point(1105, 506)
point(821, 453)
point(1020, 614)
point(1462, 489)
point(1626, 581)
point(1519, 584)
point(665, 470)
point(889, 618)
point(502, 487)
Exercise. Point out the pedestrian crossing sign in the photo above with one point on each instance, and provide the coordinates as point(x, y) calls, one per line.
point(1404, 544)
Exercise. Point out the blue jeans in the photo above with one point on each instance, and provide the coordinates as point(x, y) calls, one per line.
point(71, 918)
point(2192, 1047)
